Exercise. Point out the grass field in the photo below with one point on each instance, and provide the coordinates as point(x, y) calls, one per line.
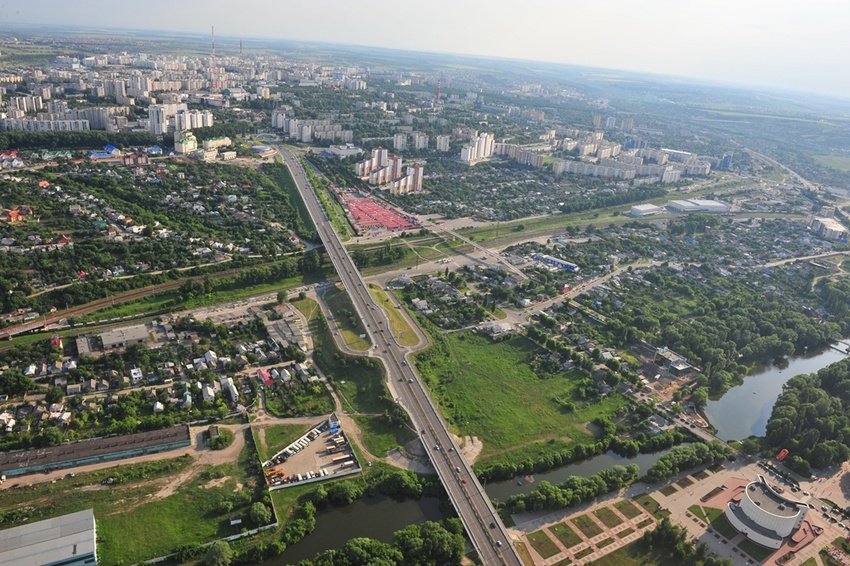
point(488, 390)
point(584, 552)
point(756, 551)
point(524, 553)
point(651, 505)
point(627, 508)
point(608, 517)
point(398, 324)
point(379, 436)
point(697, 511)
point(565, 534)
point(685, 482)
point(360, 383)
point(644, 523)
point(349, 324)
point(721, 524)
point(129, 511)
point(669, 490)
point(170, 300)
point(604, 542)
point(542, 544)
point(838, 162)
point(587, 525)
point(277, 437)
point(26, 55)
point(625, 532)
point(633, 554)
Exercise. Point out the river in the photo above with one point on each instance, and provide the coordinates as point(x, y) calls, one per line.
point(374, 517)
point(379, 517)
point(502, 490)
point(744, 409)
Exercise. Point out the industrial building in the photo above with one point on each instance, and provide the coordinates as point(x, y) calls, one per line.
point(69, 455)
point(697, 205)
point(121, 337)
point(556, 262)
point(68, 540)
point(829, 228)
point(765, 516)
point(644, 210)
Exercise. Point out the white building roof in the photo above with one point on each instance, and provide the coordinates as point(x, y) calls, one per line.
point(49, 541)
point(135, 333)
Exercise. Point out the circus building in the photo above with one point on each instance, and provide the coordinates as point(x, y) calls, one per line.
point(764, 516)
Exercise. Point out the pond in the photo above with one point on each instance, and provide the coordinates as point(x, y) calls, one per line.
point(374, 517)
point(744, 409)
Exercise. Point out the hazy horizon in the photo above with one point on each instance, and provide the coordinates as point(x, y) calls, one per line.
point(782, 45)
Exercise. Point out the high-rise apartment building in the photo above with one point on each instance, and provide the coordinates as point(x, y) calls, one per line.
point(160, 117)
point(481, 148)
point(400, 142)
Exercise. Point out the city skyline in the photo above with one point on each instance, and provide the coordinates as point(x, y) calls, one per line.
point(781, 45)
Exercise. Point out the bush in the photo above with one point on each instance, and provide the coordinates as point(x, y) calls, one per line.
point(224, 439)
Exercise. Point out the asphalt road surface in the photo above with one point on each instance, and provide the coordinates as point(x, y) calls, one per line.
point(483, 525)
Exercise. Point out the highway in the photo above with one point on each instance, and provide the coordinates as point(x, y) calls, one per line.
point(483, 526)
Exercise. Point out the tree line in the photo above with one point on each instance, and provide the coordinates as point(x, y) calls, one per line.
point(687, 456)
point(574, 490)
point(74, 140)
point(811, 419)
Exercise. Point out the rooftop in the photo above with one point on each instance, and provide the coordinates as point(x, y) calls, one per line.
point(88, 448)
point(121, 335)
point(771, 501)
point(49, 541)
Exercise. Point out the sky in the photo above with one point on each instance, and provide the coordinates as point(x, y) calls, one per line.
point(789, 44)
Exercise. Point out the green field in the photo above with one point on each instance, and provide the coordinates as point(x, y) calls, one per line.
point(170, 301)
point(488, 390)
point(277, 437)
point(360, 383)
point(697, 512)
point(587, 525)
point(349, 324)
point(144, 501)
point(625, 532)
point(565, 534)
point(838, 162)
point(721, 524)
point(633, 554)
point(541, 543)
point(627, 508)
point(524, 553)
point(669, 490)
point(398, 324)
point(651, 505)
point(608, 517)
point(757, 552)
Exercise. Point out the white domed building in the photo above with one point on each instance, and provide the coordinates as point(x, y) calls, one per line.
point(764, 516)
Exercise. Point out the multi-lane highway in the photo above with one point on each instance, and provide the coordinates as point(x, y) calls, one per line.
point(483, 525)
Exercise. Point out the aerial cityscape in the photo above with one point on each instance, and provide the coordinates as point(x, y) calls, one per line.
point(306, 297)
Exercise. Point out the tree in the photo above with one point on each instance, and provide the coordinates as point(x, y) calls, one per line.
point(260, 514)
point(700, 397)
point(311, 262)
point(281, 297)
point(219, 554)
point(14, 382)
point(54, 395)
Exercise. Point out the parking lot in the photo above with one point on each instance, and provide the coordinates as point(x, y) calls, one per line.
point(322, 452)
